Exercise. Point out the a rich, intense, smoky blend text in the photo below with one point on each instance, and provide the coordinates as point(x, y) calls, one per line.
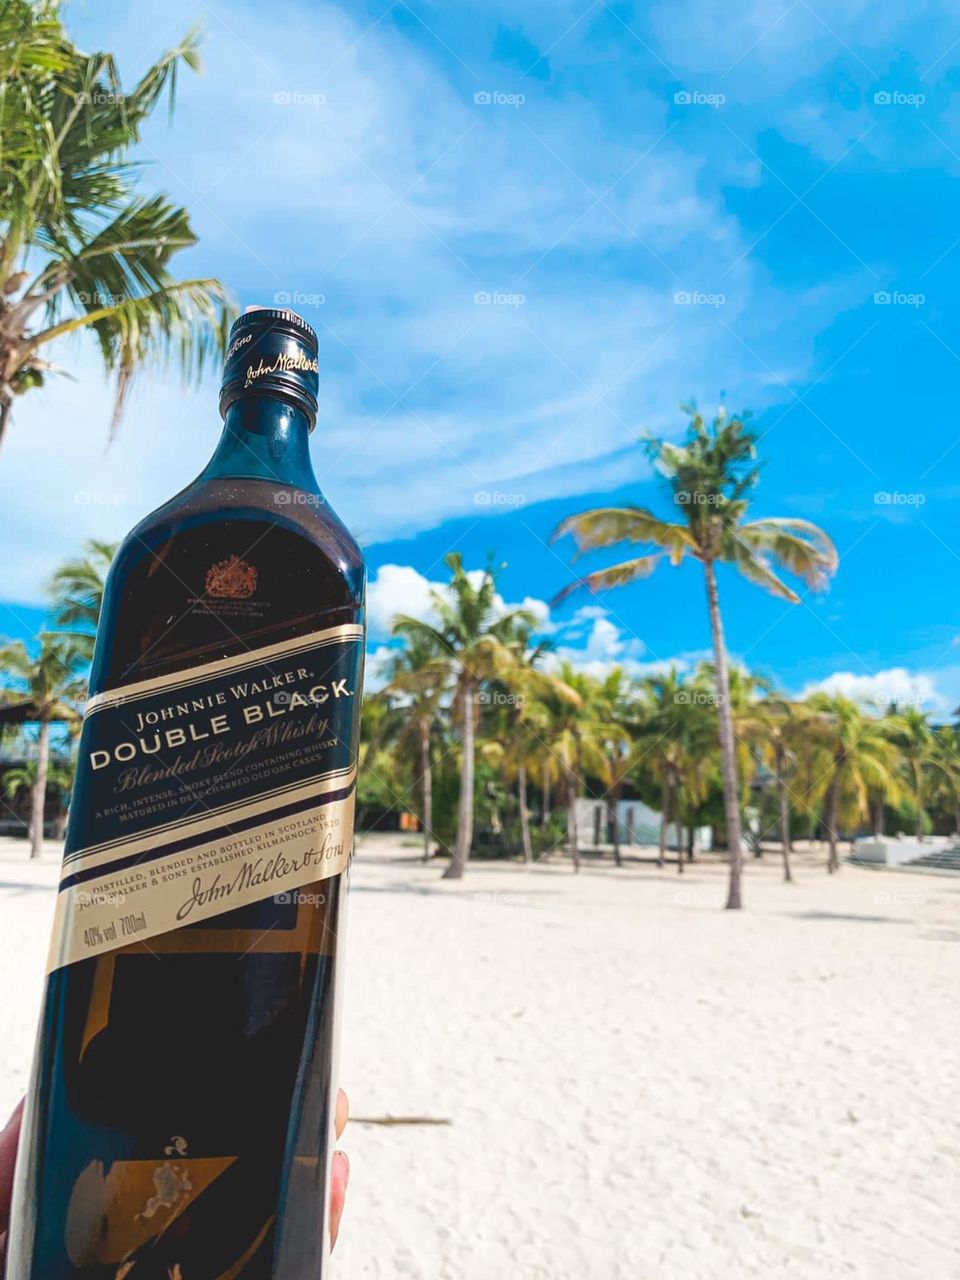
point(179, 1122)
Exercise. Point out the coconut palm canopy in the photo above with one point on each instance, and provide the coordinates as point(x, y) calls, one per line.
point(44, 686)
point(471, 641)
point(83, 246)
point(709, 477)
point(51, 684)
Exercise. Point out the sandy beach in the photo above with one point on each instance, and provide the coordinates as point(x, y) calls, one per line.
point(632, 1082)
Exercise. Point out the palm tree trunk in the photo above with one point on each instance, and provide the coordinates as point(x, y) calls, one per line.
point(524, 814)
point(784, 816)
point(877, 816)
point(461, 847)
point(545, 813)
point(731, 790)
point(426, 772)
point(613, 820)
point(678, 824)
point(572, 836)
point(680, 853)
point(830, 818)
point(664, 819)
point(919, 775)
point(39, 797)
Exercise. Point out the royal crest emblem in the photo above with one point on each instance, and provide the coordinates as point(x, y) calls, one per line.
point(231, 579)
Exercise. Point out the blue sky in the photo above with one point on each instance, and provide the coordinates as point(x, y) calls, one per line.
point(525, 233)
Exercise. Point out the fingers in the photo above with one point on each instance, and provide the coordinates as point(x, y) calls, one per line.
point(340, 1173)
point(340, 1176)
point(343, 1112)
point(8, 1154)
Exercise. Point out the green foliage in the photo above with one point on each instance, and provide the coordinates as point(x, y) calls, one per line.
point(77, 588)
point(82, 247)
point(709, 478)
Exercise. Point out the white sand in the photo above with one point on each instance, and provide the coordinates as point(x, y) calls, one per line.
point(639, 1084)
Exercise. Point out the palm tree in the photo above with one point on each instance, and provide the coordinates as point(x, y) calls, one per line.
point(774, 726)
point(664, 730)
point(855, 757)
point(621, 711)
point(513, 746)
point(50, 683)
point(77, 588)
point(23, 778)
point(521, 725)
point(709, 477)
point(417, 686)
point(475, 641)
point(946, 779)
point(922, 752)
point(576, 735)
point(678, 726)
point(82, 246)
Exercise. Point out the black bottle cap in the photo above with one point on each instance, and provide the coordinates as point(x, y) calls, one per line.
point(272, 352)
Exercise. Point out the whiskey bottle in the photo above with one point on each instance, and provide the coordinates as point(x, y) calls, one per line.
point(179, 1123)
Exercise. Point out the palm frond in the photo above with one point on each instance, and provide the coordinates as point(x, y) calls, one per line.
point(606, 526)
point(617, 576)
point(756, 569)
point(799, 546)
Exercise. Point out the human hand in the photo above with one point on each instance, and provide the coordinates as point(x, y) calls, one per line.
point(340, 1174)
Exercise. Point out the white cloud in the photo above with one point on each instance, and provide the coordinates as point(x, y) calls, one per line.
point(894, 685)
point(429, 399)
point(377, 667)
point(399, 588)
point(591, 642)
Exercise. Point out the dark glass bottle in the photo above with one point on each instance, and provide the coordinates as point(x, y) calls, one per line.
point(179, 1125)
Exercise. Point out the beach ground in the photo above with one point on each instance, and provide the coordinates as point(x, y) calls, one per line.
point(607, 1076)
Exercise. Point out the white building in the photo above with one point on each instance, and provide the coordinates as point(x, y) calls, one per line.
point(638, 824)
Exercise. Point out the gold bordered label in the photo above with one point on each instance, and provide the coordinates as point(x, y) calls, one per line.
point(210, 789)
point(271, 861)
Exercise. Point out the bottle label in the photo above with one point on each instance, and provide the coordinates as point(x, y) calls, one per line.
point(209, 789)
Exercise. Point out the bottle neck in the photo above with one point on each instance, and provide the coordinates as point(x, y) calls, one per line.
point(264, 438)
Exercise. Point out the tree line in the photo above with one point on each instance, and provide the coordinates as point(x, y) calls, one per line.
point(489, 739)
point(477, 727)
